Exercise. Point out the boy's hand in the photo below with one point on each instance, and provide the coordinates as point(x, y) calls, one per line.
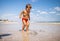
point(29, 18)
point(19, 16)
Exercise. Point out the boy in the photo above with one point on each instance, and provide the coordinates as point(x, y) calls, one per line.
point(25, 15)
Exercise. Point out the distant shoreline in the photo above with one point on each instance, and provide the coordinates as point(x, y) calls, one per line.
point(34, 22)
point(15, 22)
point(49, 22)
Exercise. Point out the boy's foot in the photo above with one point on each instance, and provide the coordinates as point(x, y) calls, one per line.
point(22, 30)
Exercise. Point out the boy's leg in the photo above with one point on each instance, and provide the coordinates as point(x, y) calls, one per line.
point(23, 27)
point(27, 26)
point(24, 24)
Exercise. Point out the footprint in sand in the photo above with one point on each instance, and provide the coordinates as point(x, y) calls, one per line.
point(41, 31)
point(33, 33)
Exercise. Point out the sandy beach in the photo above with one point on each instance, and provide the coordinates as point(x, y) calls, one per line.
point(11, 31)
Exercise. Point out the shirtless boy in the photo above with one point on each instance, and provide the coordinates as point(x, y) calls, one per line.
point(25, 15)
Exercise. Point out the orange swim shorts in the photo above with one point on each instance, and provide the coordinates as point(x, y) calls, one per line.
point(24, 19)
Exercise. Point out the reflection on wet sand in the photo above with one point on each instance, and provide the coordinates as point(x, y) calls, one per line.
point(25, 36)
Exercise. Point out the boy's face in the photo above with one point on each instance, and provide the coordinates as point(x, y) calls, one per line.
point(28, 8)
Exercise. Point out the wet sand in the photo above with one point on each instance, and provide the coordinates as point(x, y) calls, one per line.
point(11, 31)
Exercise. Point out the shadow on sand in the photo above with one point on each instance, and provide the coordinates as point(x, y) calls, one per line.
point(3, 35)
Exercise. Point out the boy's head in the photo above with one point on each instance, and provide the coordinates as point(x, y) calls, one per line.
point(28, 7)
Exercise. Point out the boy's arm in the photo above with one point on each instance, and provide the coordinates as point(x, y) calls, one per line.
point(20, 14)
point(29, 16)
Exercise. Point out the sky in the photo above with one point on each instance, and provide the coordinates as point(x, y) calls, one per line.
point(42, 10)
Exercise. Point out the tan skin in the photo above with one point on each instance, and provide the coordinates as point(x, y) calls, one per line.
point(26, 12)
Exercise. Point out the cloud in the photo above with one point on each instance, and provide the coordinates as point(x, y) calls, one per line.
point(52, 12)
point(34, 0)
point(11, 17)
point(58, 14)
point(38, 11)
point(33, 9)
point(34, 17)
point(43, 12)
point(37, 15)
point(57, 8)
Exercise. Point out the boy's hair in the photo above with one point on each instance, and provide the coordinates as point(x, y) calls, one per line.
point(28, 5)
